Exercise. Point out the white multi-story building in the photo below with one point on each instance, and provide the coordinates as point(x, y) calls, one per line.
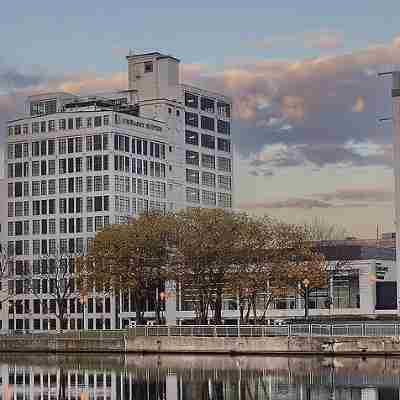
point(75, 164)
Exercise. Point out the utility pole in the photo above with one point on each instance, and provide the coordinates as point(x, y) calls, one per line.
point(395, 118)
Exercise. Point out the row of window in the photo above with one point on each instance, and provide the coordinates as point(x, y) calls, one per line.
point(49, 306)
point(74, 205)
point(141, 187)
point(93, 163)
point(45, 247)
point(140, 206)
point(62, 124)
point(93, 143)
point(139, 166)
point(139, 146)
point(208, 161)
point(207, 141)
point(51, 324)
point(208, 197)
point(207, 123)
point(95, 183)
point(207, 104)
point(66, 206)
point(208, 179)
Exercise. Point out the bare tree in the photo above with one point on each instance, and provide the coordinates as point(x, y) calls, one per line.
point(320, 230)
point(56, 280)
point(7, 271)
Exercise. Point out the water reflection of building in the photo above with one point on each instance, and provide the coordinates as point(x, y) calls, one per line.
point(51, 383)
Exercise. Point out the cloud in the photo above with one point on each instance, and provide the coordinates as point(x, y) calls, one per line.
point(11, 78)
point(93, 84)
point(289, 203)
point(264, 173)
point(366, 194)
point(364, 154)
point(322, 40)
point(326, 100)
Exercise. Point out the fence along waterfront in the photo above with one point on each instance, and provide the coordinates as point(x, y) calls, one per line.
point(354, 330)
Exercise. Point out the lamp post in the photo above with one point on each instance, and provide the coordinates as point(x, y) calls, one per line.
point(83, 301)
point(162, 305)
point(306, 282)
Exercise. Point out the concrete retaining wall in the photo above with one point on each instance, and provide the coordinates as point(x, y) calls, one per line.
point(210, 345)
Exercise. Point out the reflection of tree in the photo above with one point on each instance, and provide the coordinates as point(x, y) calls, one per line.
point(63, 384)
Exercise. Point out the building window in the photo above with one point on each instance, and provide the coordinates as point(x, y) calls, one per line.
point(52, 167)
point(52, 186)
point(208, 198)
point(191, 100)
point(50, 147)
point(224, 200)
point(223, 127)
point(224, 164)
point(207, 123)
point(192, 195)
point(208, 161)
point(98, 183)
point(208, 141)
point(97, 121)
point(35, 127)
point(52, 226)
point(208, 179)
point(70, 142)
point(78, 144)
point(148, 66)
point(191, 119)
point(79, 184)
point(62, 146)
point(207, 104)
point(192, 176)
point(192, 157)
point(224, 109)
point(62, 185)
point(224, 182)
point(224, 145)
point(89, 224)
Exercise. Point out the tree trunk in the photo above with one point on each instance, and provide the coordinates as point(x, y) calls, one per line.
point(139, 310)
point(306, 301)
point(218, 308)
point(63, 384)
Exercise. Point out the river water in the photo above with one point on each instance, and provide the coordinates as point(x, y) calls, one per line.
point(168, 377)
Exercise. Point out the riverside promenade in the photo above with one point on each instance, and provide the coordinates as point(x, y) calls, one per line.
point(356, 339)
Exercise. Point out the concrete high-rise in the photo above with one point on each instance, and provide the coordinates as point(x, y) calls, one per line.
point(76, 164)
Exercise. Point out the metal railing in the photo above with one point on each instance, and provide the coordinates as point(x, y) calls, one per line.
point(354, 330)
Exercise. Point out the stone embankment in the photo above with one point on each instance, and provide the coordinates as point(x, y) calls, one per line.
point(296, 345)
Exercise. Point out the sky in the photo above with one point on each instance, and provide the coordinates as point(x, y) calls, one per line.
point(302, 75)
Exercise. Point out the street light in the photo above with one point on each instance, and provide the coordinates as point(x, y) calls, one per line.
point(83, 300)
point(306, 282)
point(162, 304)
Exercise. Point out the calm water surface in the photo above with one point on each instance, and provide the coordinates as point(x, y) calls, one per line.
point(105, 377)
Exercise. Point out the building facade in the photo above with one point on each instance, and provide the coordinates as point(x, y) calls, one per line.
point(74, 165)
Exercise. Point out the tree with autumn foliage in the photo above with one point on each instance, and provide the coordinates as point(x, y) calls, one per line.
point(275, 258)
point(207, 247)
point(304, 269)
point(129, 258)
